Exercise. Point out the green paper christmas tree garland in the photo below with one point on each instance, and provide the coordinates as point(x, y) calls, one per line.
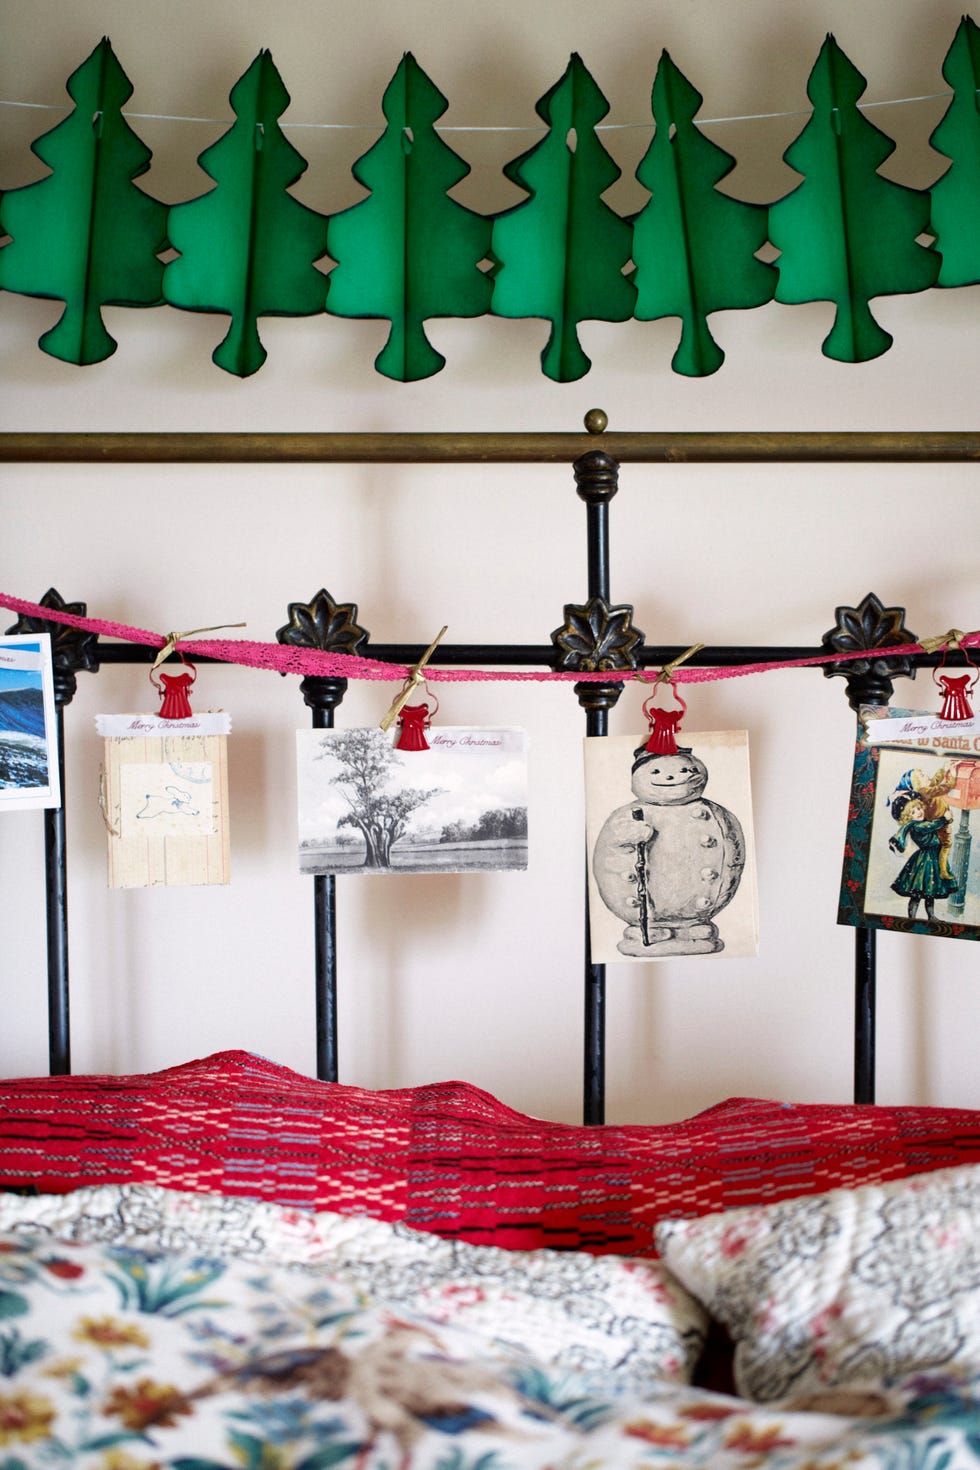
point(845, 234)
point(408, 252)
point(561, 253)
point(694, 247)
point(247, 247)
point(88, 235)
point(955, 217)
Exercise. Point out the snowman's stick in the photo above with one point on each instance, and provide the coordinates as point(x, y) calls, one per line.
point(641, 881)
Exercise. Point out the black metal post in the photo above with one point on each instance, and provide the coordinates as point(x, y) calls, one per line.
point(869, 626)
point(323, 696)
point(594, 1045)
point(72, 649)
point(327, 625)
point(864, 1015)
point(56, 899)
point(596, 480)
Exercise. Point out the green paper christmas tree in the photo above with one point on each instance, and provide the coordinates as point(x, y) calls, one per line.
point(846, 234)
point(694, 247)
point(561, 253)
point(247, 247)
point(86, 235)
point(955, 214)
point(408, 252)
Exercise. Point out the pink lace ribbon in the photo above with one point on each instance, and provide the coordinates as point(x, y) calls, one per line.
point(310, 661)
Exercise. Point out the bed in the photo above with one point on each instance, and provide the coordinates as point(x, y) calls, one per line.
point(228, 1263)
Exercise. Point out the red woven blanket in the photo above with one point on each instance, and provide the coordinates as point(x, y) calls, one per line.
point(449, 1157)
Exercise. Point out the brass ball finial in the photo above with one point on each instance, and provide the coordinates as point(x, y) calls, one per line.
point(596, 421)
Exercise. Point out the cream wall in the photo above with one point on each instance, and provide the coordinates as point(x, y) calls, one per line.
point(480, 977)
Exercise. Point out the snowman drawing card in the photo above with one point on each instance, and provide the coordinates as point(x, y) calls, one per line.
point(670, 848)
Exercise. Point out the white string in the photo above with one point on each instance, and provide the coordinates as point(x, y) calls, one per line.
point(503, 128)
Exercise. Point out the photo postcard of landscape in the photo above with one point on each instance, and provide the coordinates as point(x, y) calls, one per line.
point(366, 806)
point(28, 744)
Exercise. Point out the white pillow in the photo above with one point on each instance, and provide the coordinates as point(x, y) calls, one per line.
point(565, 1308)
point(855, 1286)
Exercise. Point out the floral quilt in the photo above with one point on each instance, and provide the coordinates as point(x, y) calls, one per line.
point(151, 1351)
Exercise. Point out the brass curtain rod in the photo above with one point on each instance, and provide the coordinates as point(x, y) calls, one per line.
point(489, 448)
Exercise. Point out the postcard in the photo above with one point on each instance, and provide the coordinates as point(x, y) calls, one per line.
point(29, 775)
point(165, 806)
point(910, 862)
point(671, 857)
point(459, 806)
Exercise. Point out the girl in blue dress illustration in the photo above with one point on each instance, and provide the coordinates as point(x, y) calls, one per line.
point(922, 878)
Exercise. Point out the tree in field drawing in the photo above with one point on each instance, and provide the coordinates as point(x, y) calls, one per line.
point(561, 253)
point(408, 251)
point(956, 196)
point(846, 234)
point(694, 247)
point(86, 234)
point(247, 246)
point(378, 807)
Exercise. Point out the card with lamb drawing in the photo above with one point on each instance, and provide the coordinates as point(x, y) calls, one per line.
point(671, 858)
point(165, 800)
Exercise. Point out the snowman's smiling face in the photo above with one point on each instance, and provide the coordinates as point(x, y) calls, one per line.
point(668, 780)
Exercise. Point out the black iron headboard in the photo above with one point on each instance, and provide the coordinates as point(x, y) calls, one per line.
point(596, 480)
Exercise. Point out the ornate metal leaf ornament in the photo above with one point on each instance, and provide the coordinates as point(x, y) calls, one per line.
point(596, 637)
point(71, 648)
point(324, 624)
point(867, 627)
point(331, 627)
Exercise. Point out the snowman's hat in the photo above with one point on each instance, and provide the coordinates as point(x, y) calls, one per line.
point(642, 754)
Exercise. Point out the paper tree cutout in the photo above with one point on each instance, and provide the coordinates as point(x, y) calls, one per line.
point(561, 253)
point(86, 235)
point(955, 216)
point(408, 252)
point(845, 233)
point(247, 247)
point(694, 247)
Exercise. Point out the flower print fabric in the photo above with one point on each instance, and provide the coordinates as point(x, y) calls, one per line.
point(118, 1356)
point(862, 1285)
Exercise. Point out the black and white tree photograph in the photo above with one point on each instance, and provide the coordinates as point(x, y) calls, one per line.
point(367, 807)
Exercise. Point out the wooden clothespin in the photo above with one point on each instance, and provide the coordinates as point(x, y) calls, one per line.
point(415, 678)
point(173, 639)
point(950, 641)
point(667, 672)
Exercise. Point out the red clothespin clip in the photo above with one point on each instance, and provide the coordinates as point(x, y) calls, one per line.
point(665, 723)
point(173, 689)
point(414, 719)
point(956, 688)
